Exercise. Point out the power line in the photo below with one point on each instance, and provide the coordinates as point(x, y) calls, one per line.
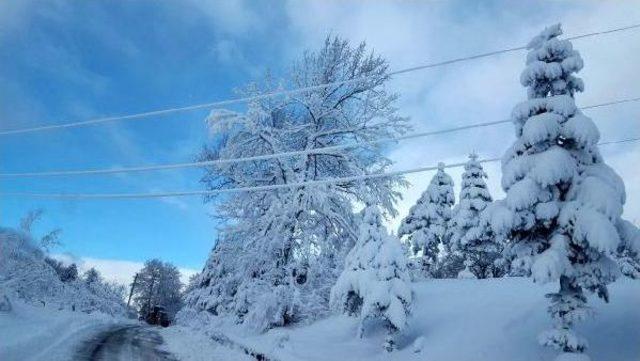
point(256, 188)
point(627, 140)
point(247, 159)
point(287, 92)
point(614, 102)
point(278, 155)
point(509, 50)
point(240, 189)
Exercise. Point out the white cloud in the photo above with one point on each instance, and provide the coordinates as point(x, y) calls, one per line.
point(114, 270)
point(230, 17)
point(412, 33)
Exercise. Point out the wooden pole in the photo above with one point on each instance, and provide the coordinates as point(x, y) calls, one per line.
point(133, 286)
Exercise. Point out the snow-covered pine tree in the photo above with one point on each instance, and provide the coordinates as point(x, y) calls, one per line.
point(628, 254)
point(92, 276)
point(565, 201)
point(469, 238)
point(70, 273)
point(291, 241)
point(375, 284)
point(425, 226)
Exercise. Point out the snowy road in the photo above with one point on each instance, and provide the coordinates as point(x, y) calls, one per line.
point(130, 343)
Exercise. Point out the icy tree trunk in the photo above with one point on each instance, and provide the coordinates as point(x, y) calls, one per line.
point(568, 305)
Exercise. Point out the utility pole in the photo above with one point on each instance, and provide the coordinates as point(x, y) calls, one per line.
point(133, 286)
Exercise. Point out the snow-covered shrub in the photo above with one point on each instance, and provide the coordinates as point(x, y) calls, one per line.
point(270, 308)
point(25, 274)
point(375, 283)
point(470, 238)
point(425, 227)
point(564, 201)
point(291, 242)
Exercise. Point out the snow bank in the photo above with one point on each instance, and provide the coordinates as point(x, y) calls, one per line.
point(46, 318)
point(31, 333)
point(187, 345)
point(462, 320)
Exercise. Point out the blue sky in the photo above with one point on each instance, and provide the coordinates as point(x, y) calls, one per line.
point(71, 61)
point(65, 61)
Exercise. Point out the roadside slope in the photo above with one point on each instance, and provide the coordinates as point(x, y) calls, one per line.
point(462, 320)
point(33, 333)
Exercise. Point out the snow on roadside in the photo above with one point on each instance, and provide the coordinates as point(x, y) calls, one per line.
point(462, 320)
point(32, 333)
point(189, 345)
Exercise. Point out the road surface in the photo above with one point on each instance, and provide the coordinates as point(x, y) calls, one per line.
point(124, 343)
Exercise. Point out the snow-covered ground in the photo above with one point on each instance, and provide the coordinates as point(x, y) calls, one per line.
point(462, 320)
point(187, 345)
point(31, 333)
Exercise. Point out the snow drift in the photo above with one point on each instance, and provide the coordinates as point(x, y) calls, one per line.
point(453, 319)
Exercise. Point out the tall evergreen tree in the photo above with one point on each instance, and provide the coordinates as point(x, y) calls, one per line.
point(424, 228)
point(471, 240)
point(564, 200)
point(375, 283)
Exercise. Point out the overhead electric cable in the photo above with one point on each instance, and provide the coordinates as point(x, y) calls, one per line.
point(286, 92)
point(276, 155)
point(255, 188)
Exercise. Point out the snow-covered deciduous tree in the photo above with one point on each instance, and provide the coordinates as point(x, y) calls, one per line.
point(110, 292)
point(29, 219)
point(26, 273)
point(50, 239)
point(564, 200)
point(375, 284)
point(289, 243)
point(470, 239)
point(425, 227)
point(192, 283)
point(158, 285)
point(214, 288)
